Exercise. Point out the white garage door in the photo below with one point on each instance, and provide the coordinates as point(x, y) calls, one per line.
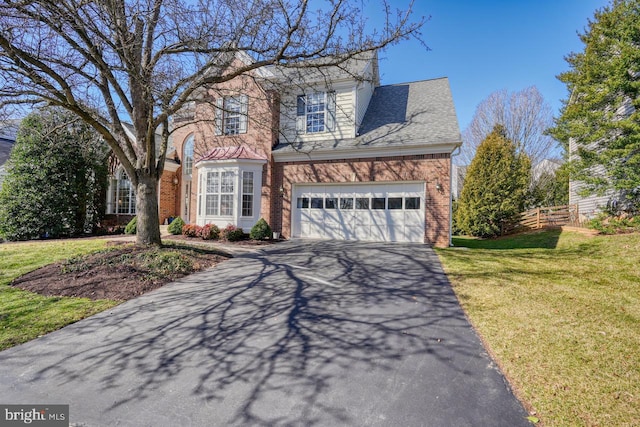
point(391, 212)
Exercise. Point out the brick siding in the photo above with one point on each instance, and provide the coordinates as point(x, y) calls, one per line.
point(434, 169)
point(168, 206)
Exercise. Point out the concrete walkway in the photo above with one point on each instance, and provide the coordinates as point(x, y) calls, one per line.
point(298, 334)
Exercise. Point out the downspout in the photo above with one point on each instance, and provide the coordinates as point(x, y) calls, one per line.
point(455, 152)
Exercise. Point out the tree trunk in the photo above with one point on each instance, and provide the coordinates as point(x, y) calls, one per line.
point(148, 226)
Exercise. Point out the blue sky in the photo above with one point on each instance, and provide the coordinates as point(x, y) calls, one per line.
point(484, 46)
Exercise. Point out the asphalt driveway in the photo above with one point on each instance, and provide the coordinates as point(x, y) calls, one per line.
point(304, 333)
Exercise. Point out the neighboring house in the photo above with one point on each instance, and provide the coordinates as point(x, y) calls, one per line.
point(8, 132)
point(458, 173)
point(329, 155)
point(545, 167)
point(590, 205)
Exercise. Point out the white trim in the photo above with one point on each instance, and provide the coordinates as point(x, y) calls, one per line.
point(237, 167)
point(113, 193)
point(204, 163)
point(171, 166)
point(355, 153)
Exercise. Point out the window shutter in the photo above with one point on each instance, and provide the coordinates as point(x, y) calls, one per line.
point(331, 111)
point(219, 107)
point(301, 114)
point(244, 108)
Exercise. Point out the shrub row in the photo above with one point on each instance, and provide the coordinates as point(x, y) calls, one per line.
point(230, 233)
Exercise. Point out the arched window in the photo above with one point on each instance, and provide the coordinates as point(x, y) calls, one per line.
point(187, 156)
point(122, 195)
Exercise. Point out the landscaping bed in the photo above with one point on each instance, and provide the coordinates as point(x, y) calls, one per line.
point(121, 272)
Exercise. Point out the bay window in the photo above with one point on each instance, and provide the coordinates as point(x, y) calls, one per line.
point(229, 192)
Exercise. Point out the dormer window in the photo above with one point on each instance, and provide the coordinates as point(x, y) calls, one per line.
point(231, 115)
point(316, 112)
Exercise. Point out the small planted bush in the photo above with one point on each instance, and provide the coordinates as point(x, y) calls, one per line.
point(232, 233)
point(606, 224)
point(209, 232)
point(190, 230)
point(261, 230)
point(176, 225)
point(132, 227)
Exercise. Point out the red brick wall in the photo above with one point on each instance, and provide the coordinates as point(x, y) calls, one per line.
point(168, 193)
point(432, 168)
point(261, 135)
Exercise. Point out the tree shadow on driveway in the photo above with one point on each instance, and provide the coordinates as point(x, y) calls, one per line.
point(304, 333)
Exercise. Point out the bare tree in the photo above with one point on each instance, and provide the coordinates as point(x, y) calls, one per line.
point(525, 117)
point(114, 61)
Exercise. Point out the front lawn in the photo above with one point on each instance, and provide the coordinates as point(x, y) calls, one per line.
point(82, 277)
point(561, 314)
point(25, 315)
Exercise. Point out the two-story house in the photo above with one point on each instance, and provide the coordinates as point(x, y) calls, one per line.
point(8, 132)
point(326, 154)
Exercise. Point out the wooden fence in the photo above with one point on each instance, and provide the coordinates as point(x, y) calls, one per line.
point(552, 216)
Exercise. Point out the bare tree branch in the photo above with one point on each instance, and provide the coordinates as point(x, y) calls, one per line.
point(141, 61)
point(525, 116)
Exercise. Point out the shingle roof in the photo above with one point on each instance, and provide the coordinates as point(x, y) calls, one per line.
point(5, 150)
point(8, 132)
point(405, 114)
point(313, 71)
point(229, 153)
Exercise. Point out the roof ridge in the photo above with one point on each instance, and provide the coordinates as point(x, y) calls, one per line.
point(414, 81)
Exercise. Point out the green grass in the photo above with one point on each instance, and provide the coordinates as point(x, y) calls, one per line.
point(25, 315)
point(561, 314)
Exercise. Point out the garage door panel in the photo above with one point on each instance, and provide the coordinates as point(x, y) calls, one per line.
point(372, 212)
point(378, 232)
point(333, 225)
point(413, 234)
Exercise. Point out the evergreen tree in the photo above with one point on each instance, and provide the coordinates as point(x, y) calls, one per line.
point(495, 188)
point(602, 113)
point(56, 178)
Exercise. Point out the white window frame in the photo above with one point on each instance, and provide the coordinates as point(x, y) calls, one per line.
point(228, 207)
point(316, 112)
point(121, 188)
point(231, 115)
point(247, 194)
point(187, 155)
point(227, 188)
point(212, 193)
point(218, 191)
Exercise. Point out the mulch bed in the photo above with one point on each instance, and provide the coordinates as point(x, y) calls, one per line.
point(110, 275)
